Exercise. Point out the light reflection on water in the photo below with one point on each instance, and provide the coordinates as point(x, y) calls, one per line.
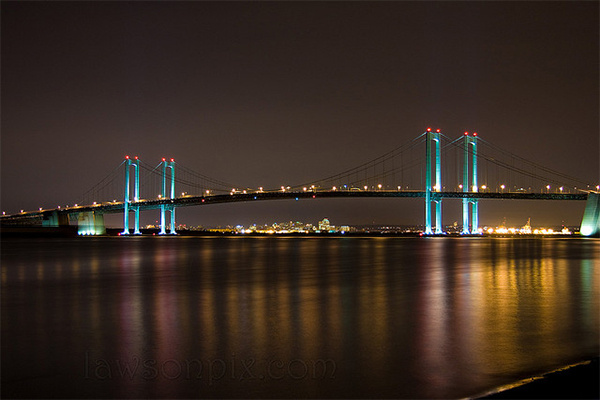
point(394, 317)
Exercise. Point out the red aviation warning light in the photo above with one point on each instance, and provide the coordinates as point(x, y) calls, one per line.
point(127, 157)
point(136, 157)
point(172, 160)
point(466, 133)
point(437, 130)
point(474, 133)
point(428, 129)
point(164, 159)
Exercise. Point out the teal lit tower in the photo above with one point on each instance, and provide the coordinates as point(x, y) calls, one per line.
point(430, 192)
point(167, 207)
point(470, 151)
point(474, 202)
point(136, 196)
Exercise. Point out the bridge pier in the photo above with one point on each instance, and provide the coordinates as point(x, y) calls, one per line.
point(590, 224)
point(55, 219)
point(90, 223)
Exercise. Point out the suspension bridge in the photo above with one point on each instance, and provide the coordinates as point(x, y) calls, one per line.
point(473, 169)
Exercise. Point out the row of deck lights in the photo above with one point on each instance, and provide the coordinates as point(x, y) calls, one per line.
point(334, 188)
point(502, 187)
point(366, 187)
point(312, 188)
point(380, 187)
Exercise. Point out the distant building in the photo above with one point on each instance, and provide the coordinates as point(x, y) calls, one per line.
point(324, 225)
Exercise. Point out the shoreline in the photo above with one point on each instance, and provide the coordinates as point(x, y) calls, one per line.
point(71, 231)
point(579, 380)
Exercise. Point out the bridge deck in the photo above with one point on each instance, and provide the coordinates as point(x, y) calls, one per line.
point(116, 207)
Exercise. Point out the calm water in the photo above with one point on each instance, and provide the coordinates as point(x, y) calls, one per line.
point(292, 317)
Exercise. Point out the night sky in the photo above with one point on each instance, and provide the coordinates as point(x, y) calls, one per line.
point(284, 92)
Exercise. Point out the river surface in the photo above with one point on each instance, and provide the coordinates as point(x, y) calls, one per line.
point(243, 317)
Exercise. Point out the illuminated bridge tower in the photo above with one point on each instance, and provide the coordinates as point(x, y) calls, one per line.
point(470, 141)
point(170, 207)
point(429, 196)
point(136, 196)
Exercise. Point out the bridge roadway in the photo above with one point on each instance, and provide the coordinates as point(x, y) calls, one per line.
point(116, 207)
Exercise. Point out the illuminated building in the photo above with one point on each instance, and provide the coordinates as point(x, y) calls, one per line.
point(324, 225)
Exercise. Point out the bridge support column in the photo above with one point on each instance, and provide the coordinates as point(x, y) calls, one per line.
point(167, 207)
point(590, 224)
point(467, 187)
point(90, 223)
point(465, 184)
point(428, 230)
point(475, 216)
point(475, 202)
point(438, 182)
point(430, 197)
point(465, 214)
point(438, 217)
point(55, 219)
point(136, 196)
point(172, 232)
point(162, 220)
point(163, 229)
